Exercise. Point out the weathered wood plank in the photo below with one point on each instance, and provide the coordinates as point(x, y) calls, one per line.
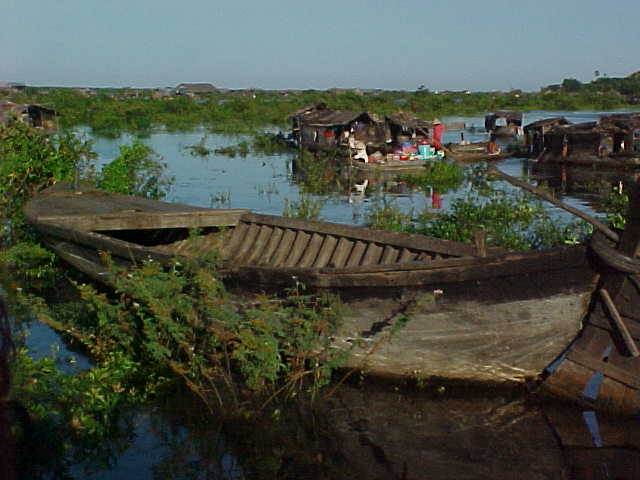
point(515, 263)
point(312, 251)
point(271, 247)
point(606, 323)
point(413, 241)
point(259, 245)
point(586, 359)
point(341, 253)
point(356, 253)
point(390, 255)
point(297, 249)
point(326, 251)
point(148, 220)
point(247, 243)
point(284, 248)
point(235, 240)
point(372, 254)
point(407, 255)
point(101, 242)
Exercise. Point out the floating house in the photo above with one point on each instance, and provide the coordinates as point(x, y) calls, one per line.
point(613, 140)
point(504, 123)
point(32, 114)
point(318, 128)
point(534, 133)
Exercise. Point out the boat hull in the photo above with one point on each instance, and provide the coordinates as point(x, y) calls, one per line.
point(414, 306)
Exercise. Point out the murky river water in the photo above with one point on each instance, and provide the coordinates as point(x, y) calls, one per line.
point(364, 432)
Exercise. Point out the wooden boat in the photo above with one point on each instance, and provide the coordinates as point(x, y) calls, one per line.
point(416, 306)
point(473, 153)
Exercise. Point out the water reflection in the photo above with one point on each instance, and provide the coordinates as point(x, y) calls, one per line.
point(381, 432)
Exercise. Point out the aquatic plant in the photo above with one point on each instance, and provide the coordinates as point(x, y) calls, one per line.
point(442, 176)
point(616, 206)
point(199, 149)
point(241, 149)
point(306, 207)
point(383, 214)
point(31, 160)
point(271, 144)
point(136, 171)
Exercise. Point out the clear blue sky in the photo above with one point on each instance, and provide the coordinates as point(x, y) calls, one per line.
point(401, 44)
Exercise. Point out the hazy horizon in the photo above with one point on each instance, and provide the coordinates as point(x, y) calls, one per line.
point(496, 45)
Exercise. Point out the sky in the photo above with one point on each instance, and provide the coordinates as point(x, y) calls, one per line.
point(284, 44)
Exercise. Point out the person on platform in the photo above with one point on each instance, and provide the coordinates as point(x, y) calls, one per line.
point(438, 130)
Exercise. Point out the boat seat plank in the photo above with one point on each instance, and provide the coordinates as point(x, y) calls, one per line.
point(271, 247)
point(259, 245)
point(389, 255)
point(312, 251)
point(297, 249)
point(326, 251)
point(587, 360)
point(341, 253)
point(604, 322)
point(284, 248)
point(356, 254)
point(372, 255)
point(247, 244)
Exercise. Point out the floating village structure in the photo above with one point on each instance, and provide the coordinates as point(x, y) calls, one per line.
point(504, 123)
point(612, 140)
point(368, 140)
point(318, 128)
point(31, 114)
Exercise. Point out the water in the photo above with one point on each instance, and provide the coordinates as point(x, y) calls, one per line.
point(369, 432)
point(265, 184)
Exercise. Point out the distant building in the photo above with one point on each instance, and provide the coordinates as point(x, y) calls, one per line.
point(195, 89)
point(30, 113)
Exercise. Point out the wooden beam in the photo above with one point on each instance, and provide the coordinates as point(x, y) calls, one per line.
point(554, 201)
point(147, 220)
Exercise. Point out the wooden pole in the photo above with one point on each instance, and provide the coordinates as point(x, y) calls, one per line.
point(554, 201)
point(619, 323)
